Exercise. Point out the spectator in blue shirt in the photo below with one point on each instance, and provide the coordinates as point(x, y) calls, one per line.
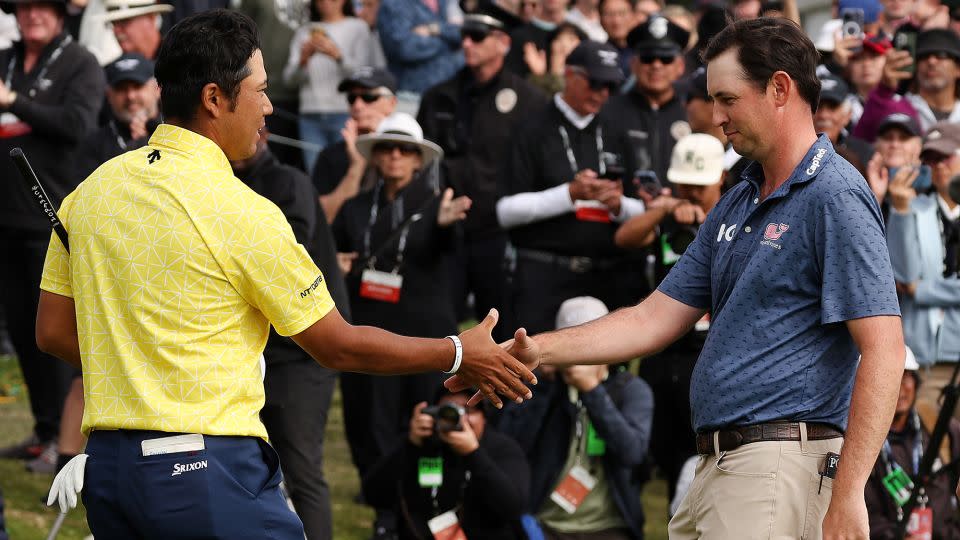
point(792, 264)
point(422, 47)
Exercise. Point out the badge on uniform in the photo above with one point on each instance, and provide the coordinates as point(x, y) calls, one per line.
point(382, 286)
point(430, 472)
point(920, 526)
point(11, 126)
point(446, 526)
point(594, 211)
point(573, 489)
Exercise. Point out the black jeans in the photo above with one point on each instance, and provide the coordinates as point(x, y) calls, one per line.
point(47, 378)
point(295, 413)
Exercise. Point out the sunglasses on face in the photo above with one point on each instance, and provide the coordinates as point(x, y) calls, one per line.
point(665, 60)
point(475, 35)
point(367, 98)
point(406, 149)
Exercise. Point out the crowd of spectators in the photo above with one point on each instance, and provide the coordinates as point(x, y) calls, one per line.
point(548, 159)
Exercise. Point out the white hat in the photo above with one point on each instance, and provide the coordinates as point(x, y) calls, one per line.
point(697, 160)
point(579, 310)
point(827, 36)
point(910, 362)
point(399, 127)
point(118, 10)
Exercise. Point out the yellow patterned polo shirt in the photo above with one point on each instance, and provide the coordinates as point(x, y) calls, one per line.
point(177, 270)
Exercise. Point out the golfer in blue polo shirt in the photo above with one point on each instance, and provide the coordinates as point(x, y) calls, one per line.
point(793, 267)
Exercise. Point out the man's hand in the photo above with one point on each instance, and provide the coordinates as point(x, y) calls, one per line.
point(893, 69)
point(846, 518)
point(68, 483)
point(843, 48)
point(7, 96)
point(463, 442)
point(611, 195)
point(350, 132)
point(688, 213)
point(421, 425)
point(877, 177)
point(452, 210)
point(535, 59)
point(522, 347)
point(490, 368)
point(138, 126)
point(583, 187)
point(901, 188)
point(345, 261)
point(583, 378)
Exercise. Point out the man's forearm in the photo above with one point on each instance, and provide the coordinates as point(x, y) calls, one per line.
point(625, 334)
point(366, 349)
point(874, 399)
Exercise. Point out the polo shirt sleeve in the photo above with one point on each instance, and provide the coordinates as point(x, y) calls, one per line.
point(857, 278)
point(276, 274)
point(689, 280)
point(56, 265)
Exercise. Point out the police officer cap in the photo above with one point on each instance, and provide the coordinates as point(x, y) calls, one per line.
point(599, 60)
point(489, 15)
point(129, 67)
point(939, 40)
point(658, 36)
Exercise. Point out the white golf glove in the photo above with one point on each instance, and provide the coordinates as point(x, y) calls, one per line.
point(68, 483)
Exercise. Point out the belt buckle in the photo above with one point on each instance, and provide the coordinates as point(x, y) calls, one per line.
point(580, 265)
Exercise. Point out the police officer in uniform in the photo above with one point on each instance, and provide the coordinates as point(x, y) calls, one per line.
point(473, 116)
point(564, 194)
point(652, 114)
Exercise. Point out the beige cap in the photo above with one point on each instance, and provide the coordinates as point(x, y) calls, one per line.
point(579, 310)
point(118, 10)
point(697, 160)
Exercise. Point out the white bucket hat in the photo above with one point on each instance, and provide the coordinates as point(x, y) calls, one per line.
point(697, 160)
point(117, 10)
point(403, 128)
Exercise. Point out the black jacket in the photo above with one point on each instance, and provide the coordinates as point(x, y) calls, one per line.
point(290, 189)
point(538, 161)
point(620, 409)
point(652, 133)
point(492, 501)
point(474, 125)
point(104, 144)
point(61, 111)
point(425, 307)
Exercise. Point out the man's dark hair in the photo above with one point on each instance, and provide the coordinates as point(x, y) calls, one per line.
point(767, 45)
point(209, 47)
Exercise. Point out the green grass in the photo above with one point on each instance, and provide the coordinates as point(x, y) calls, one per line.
point(28, 519)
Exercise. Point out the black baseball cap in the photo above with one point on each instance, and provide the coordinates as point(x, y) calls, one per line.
point(129, 67)
point(833, 89)
point(938, 40)
point(658, 36)
point(900, 120)
point(10, 6)
point(600, 60)
point(369, 78)
point(698, 84)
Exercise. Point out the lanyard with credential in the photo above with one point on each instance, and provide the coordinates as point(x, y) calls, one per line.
point(374, 214)
point(43, 69)
point(572, 159)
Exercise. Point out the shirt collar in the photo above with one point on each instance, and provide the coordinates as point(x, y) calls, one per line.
point(809, 167)
point(189, 142)
point(952, 215)
point(580, 122)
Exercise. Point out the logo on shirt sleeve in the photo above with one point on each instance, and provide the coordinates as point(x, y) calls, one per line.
point(313, 286)
point(772, 234)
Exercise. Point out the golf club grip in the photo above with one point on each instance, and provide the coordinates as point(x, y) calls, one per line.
point(39, 195)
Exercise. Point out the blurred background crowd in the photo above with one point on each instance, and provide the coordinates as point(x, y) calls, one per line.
point(548, 159)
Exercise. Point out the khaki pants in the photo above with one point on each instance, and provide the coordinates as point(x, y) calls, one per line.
point(762, 490)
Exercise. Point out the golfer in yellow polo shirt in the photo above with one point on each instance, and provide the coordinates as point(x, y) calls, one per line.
point(175, 274)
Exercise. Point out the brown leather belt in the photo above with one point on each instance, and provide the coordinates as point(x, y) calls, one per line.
point(737, 436)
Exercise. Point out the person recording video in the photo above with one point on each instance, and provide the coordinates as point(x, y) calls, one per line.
point(451, 472)
point(670, 224)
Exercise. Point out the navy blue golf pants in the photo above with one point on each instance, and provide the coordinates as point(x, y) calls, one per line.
point(230, 489)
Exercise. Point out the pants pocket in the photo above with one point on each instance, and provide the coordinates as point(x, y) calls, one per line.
point(175, 491)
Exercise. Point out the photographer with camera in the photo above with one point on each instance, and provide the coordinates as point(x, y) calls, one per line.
point(449, 473)
point(670, 224)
